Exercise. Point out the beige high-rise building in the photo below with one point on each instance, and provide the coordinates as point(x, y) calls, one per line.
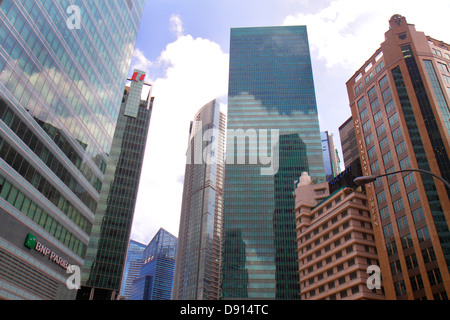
point(335, 243)
point(400, 102)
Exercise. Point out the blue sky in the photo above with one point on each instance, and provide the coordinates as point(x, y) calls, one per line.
point(183, 46)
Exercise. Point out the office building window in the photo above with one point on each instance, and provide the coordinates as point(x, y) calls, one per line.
point(366, 126)
point(374, 104)
point(411, 261)
point(384, 213)
point(393, 119)
point(375, 166)
point(398, 205)
point(400, 288)
point(423, 234)
point(434, 276)
point(371, 153)
point(384, 81)
point(428, 255)
point(388, 230)
point(413, 196)
point(406, 241)
point(443, 67)
point(369, 139)
point(390, 106)
point(416, 282)
point(363, 114)
point(381, 196)
point(377, 116)
point(394, 188)
point(400, 148)
point(372, 92)
point(384, 143)
point(391, 248)
point(387, 157)
point(379, 67)
point(402, 223)
point(397, 133)
point(381, 129)
point(418, 215)
point(396, 267)
point(404, 163)
point(386, 94)
point(361, 102)
point(409, 179)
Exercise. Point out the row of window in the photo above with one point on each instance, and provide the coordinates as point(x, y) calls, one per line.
point(434, 276)
point(30, 209)
point(332, 284)
point(369, 77)
point(48, 85)
point(29, 173)
point(324, 226)
point(33, 142)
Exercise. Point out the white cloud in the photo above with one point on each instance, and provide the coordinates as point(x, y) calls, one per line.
point(196, 71)
point(140, 62)
point(343, 35)
point(176, 25)
point(347, 32)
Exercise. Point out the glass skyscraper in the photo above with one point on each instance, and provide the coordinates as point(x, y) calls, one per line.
point(197, 273)
point(155, 281)
point(62, 72)
point(132, 268)
point(107, 249)
point(273, 136)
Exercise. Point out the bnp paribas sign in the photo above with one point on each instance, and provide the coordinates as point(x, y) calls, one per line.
point(73, 281)
point(32, 243)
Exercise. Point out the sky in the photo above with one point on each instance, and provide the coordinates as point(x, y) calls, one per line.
point(183, 47)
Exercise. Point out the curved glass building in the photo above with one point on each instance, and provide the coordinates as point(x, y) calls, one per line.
point(62, 72)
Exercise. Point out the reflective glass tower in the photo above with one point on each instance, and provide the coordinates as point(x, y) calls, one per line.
point(107, 249)
point(62, 72)
point(273, 136)
point(155, 281)
point(132, 269)
point(197, 273)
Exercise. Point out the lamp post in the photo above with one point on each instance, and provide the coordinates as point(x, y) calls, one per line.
point(359, 181)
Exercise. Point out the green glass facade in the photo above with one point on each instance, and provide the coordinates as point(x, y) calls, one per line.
point(272, 123)
point(62, 72)
point(106, 253)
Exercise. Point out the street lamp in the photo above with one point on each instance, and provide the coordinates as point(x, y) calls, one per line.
point(359, 181)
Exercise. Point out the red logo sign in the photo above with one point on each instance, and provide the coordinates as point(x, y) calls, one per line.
point(141, 78)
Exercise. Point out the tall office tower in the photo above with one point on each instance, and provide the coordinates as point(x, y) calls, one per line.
point(107, 249)
point(400, 108)
point(133, 264)
point(197, 272)
point(335, 240)
point(348, 142)
point(61, 82)
point(272, 136)
point(330, 155)
point(155, 281)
